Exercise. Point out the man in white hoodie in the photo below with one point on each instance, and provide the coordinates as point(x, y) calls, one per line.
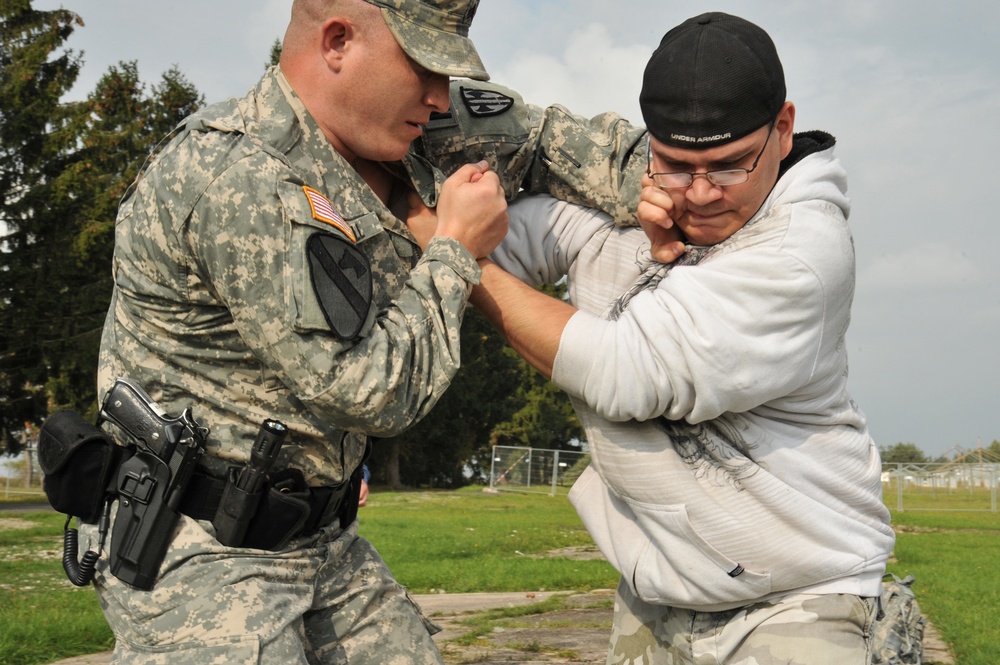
point(734, 483)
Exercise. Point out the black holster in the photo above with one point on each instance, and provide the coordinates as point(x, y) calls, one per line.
point(81, 463)
point(289, 509)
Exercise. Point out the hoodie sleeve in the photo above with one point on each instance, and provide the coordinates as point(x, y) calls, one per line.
point(746, 326)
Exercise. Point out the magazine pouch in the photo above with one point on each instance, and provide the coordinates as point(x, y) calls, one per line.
point(80, 462)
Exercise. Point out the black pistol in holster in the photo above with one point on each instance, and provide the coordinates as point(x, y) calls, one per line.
point(244, 488)
point(150, 484)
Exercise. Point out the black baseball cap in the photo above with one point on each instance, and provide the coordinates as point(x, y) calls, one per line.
point(713, 79)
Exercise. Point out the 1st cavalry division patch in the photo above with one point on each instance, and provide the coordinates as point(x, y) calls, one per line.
point(342, 282)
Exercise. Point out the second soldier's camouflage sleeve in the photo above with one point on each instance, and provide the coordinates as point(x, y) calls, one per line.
point(596, 162)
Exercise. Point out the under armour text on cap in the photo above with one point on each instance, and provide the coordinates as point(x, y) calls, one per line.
point(435, 33)
point(713, 79)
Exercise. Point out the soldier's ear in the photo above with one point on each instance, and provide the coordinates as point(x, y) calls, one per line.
point(338, 36)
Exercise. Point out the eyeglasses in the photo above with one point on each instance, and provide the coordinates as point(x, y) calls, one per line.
point(682, 180)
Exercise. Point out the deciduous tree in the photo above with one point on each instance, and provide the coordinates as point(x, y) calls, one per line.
point(441, 450)
point(903, 453)
point(496, 398)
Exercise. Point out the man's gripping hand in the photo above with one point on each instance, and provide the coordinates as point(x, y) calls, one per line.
point(655, 217)
point(471, 209)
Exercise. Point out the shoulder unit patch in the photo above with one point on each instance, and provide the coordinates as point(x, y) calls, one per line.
point(342, 282)
point(486, 102)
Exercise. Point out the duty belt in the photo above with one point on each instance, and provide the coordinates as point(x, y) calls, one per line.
point(288, 508)
point(155, 475)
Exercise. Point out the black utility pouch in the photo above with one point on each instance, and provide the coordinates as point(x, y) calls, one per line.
point(79, 461)
point(352, 500)
point(281, 513)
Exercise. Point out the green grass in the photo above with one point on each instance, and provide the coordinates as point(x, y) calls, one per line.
point(953, 557)
point(443, 541)
point(943, 590)
point(42, 616)
point(918, 497)
point(950, 542)
point(462, 542)
point(18, 494)
point(470, 541)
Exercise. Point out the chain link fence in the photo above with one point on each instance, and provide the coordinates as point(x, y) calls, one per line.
point(540, 470)
point(21, 475)
point(933, 486)
point(941, 486)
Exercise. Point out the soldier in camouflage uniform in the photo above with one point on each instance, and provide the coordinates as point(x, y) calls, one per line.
point(263, 270)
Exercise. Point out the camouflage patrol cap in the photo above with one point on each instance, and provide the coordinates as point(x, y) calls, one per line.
point(435, 33)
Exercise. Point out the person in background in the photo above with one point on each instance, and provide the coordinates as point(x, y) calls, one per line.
point(363, 493)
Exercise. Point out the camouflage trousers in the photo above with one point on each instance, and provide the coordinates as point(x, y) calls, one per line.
point(328, 598)
point(798, 629)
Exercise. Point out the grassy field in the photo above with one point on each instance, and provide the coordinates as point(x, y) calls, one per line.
point(42, 616)
point(472, 541)
point(954, 556)
point(938, 496)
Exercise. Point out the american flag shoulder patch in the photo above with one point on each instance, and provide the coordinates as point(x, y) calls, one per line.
point(323, 211)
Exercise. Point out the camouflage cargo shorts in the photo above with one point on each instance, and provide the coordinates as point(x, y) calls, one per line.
point(798, 629)
point(328, 598)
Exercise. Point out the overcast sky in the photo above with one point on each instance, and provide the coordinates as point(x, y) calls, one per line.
point(910, 89)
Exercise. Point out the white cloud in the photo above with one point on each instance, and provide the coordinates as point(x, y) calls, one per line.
point(591, 75)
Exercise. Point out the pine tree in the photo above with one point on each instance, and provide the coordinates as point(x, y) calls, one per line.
point(275, 54)
point(64, 168)
point(116, 128)
point(36, 146)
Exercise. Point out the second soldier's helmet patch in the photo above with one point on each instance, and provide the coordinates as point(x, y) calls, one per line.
point(342, 282)
point(486, 102)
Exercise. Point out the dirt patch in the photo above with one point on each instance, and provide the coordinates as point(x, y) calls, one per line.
point(533, 645)
point(10, 523)
point(912, 529)
point(936, 652)
point(578, 632)
point(577, 553)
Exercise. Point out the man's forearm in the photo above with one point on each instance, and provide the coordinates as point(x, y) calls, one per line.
point(531, 321)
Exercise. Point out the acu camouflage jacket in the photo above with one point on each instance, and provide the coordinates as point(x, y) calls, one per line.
point(224, 238)
point(217, 251)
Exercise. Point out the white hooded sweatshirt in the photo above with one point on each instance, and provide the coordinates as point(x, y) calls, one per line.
point(729, 463)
